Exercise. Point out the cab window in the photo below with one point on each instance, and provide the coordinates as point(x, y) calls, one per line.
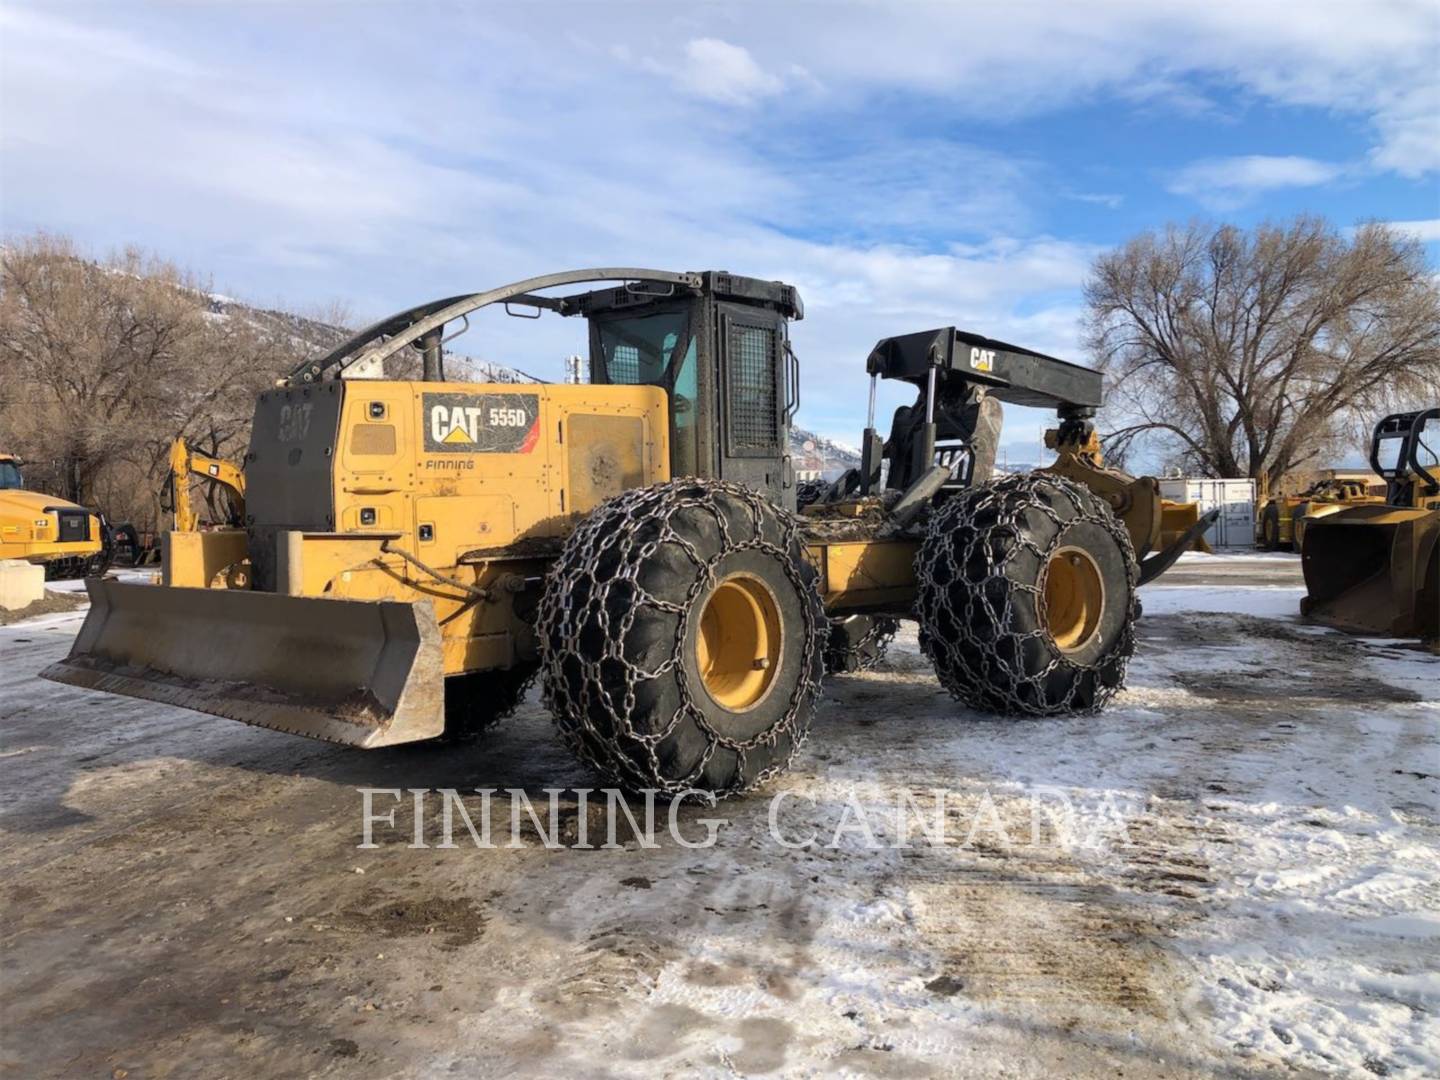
point(656, 350)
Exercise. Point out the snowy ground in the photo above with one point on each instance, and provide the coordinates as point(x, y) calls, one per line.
point(1246, 881)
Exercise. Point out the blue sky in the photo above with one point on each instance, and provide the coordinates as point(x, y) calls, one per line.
point(906, 166)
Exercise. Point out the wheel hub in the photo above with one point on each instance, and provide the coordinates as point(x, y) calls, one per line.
point(1074, 598)
point(738, 647)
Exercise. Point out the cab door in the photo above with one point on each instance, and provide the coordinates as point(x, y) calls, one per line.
point(754, 407)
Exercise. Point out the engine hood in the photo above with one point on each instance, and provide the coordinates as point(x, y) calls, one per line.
point(32, 503)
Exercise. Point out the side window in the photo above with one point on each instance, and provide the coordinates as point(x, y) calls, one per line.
point(684, 452)
point(753, 399)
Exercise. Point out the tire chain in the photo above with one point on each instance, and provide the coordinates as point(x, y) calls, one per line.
point(882, 631)
point(809, 491)
point(992, 515)
point(506, 711)
point(610, 533)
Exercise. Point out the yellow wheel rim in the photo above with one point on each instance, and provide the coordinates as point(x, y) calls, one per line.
point(1074, 598)
point(738, 647)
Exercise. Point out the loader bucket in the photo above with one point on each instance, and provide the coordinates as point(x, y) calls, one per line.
point(364, 673)
point(1373, 570)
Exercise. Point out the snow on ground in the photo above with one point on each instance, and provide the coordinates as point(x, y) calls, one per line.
point(1234, 869)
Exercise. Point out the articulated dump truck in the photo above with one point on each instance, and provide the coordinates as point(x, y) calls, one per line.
point(414, 553)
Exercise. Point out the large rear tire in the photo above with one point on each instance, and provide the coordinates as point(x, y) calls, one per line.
point(1026, 597)
point(682, 637)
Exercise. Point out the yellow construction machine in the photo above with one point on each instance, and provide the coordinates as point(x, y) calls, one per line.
point(1375, 569)
point(413, 553)
point(1282, 519)
point(40, 528)
point(175, 496)
point(186, 558)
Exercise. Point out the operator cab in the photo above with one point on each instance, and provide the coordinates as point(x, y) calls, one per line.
point(718, 343)
point(722, 353)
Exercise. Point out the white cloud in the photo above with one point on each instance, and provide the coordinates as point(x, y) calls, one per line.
point(1225, 183)
point(718, 71)
point(311, 167)
point(1427, 232)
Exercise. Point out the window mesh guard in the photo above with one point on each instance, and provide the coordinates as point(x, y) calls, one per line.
point(754, 397)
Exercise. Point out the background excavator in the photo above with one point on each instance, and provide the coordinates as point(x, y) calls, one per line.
point(1375, 569)
point(225, 475)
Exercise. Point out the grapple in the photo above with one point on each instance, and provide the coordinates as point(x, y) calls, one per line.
point(365, 673)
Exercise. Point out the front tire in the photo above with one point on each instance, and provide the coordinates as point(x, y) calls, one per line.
point(1026, 597)
point(681, 639)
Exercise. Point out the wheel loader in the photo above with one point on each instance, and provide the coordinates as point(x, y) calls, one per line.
point(1375, 569)
point(1282, 520)
point(414, 553)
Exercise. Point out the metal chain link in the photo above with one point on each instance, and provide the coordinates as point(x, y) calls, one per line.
point(964, 581)
point(592, 662)
point(809, 491)
point(503, 700)
point(864, 654)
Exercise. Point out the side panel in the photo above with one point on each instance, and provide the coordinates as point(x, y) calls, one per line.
point(865, 575)
point(289, 469)
point(605, 455)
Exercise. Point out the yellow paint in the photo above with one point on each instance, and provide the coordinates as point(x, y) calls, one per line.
point(738, 647)
point(856, 574)
point(29, 528)
point(592, 442)
point(1074, 598)
point(198, 560)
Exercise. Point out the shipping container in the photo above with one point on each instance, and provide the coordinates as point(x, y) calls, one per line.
point(1235, 499)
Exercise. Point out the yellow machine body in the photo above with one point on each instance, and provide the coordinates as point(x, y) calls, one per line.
point(441, 502)
point(35, 527)
point(1281, 520)
point(1374, 568)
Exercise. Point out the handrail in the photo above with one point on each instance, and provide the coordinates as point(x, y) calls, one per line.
point(414, 323)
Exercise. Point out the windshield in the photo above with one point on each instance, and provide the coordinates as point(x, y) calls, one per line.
point(1427, 448)
point(638, 350)
point(9, 476)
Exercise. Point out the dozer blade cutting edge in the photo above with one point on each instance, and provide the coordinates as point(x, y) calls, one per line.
point(363, 673)
point(1372, 569)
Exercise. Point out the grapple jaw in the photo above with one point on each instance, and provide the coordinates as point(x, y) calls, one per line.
point(365, 673)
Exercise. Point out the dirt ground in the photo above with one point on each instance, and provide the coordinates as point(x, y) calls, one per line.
point(48, 604)
point(1250, 885)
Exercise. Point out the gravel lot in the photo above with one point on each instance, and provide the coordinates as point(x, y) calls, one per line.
point(1247, 883)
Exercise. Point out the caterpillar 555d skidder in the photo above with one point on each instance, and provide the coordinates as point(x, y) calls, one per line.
point(413, 553)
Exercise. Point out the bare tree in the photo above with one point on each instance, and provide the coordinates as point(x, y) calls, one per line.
point(1249, 354)
point(104, 363)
